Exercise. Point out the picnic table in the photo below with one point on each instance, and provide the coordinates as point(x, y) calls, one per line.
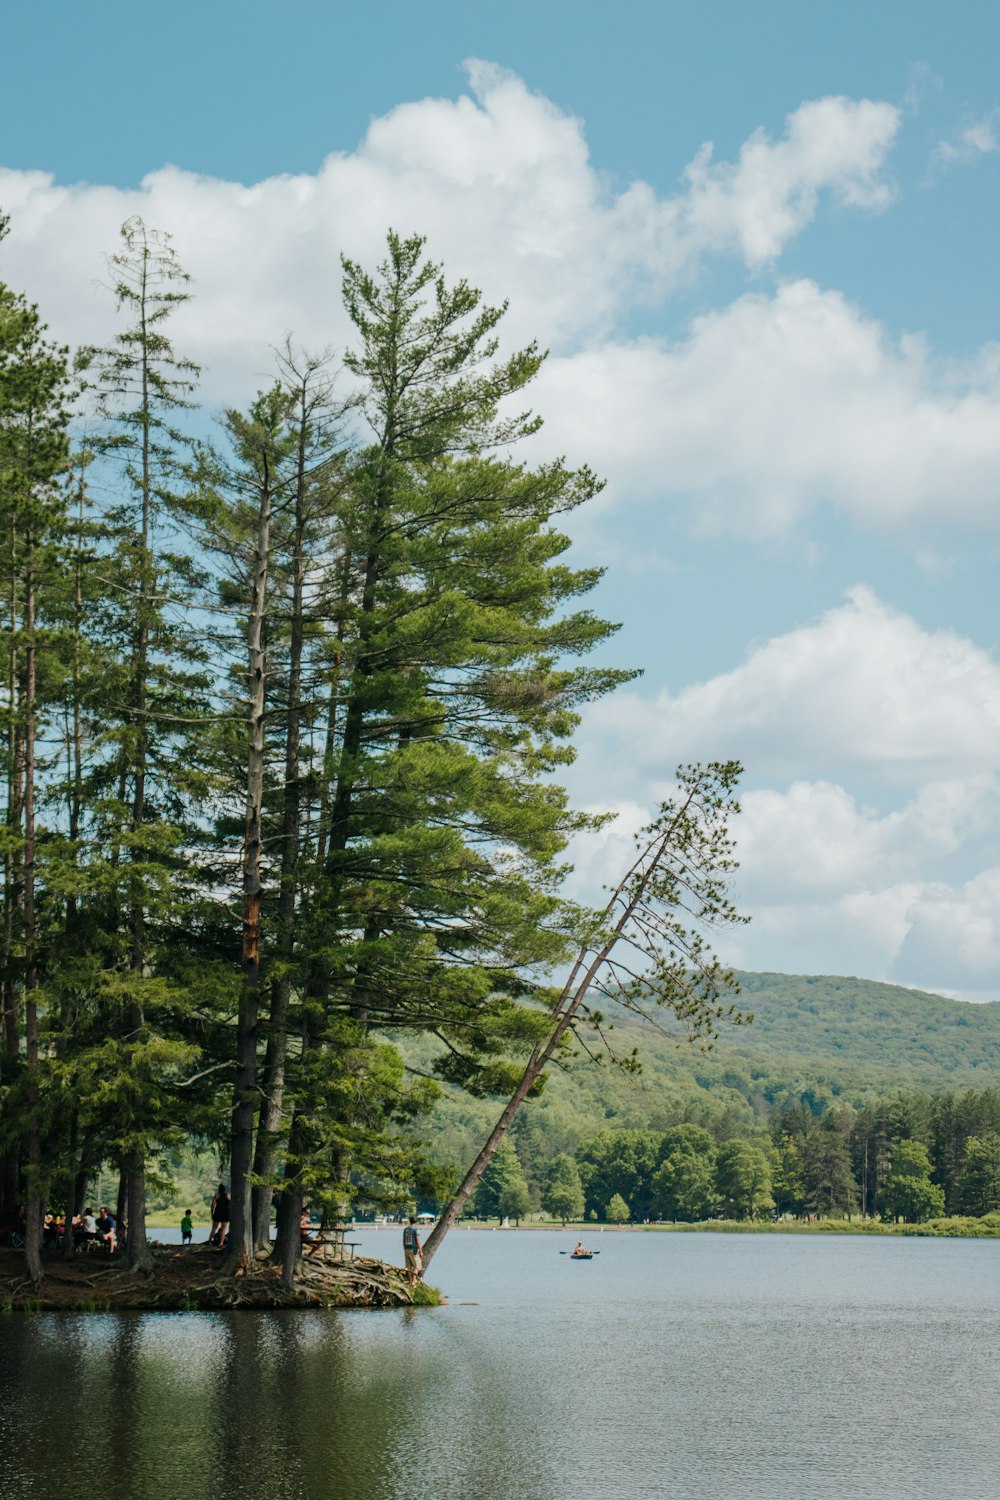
point(332, 1243)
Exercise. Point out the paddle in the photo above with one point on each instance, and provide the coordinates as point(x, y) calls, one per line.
point(580, 1257)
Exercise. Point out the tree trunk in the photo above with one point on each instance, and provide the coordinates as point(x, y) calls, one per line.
point(269, 1126)
point(77, 1198)
point(290, 1235)
point(10, 1032)
point(562, 1015)
point(271, 1112)
point(34, 1197)
point(121, 1206)
point(240, 1230)
point(138, 1257)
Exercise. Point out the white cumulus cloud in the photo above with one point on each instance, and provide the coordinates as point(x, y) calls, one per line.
point(899, 883)
point(816, 839)
point(864, 689)
point(777, 403)
point(499, 179)
point(953, 935)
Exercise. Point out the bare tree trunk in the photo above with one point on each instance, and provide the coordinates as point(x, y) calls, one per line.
point(240, 1230)
point(10, 1033)
point(138, 1255)
point(74, 1206)
point(269, 1126)
point(34, 1197)
point(333, 713)
point(289, 1246)
point(271, 1112)
point(121, 1206)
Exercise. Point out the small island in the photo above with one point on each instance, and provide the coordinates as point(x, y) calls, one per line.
point(195, 1279)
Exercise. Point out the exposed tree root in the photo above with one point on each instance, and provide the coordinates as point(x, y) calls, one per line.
point(195, 1280)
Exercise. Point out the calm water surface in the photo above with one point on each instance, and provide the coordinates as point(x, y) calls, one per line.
point(701, 1367)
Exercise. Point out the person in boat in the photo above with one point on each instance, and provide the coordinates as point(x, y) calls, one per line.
point(581, 1248)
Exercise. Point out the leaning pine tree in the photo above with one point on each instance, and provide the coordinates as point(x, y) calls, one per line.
point(647, 947)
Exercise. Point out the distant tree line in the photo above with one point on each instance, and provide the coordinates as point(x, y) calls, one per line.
point(911, 1158)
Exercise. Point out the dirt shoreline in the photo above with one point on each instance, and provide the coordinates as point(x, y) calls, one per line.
point(185, 1280)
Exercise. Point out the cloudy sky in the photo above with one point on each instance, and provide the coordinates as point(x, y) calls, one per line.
point(760, 244)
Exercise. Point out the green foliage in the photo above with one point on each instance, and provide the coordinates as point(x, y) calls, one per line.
point(619, 1164)
point(908, 1193)
point(858, 1033)
point(824, 1168)
point(563, 1193)
point(743, 1179)
point(979, 1182)
point(423, 1295)
point(515, 1201)
point(422, 680)
point(684, 1182)
point(502, 1191)
point(617, 1211)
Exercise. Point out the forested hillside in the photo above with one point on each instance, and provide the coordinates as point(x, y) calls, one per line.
point(927, 1038)
point(818, 1040)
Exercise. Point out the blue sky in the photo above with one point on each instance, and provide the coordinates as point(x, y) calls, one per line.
point(783, 356)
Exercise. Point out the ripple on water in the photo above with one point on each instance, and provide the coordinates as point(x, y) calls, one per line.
point(722, 1367)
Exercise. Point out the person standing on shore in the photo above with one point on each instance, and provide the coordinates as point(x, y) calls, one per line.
point(220, 1217)
point(411, 1253)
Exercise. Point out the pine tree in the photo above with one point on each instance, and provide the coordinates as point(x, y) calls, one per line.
point(434, 902)
point(34, 396)
point(143, 789)
point(979, 1183)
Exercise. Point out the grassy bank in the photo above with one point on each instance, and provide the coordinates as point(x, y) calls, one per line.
point(953, 1228)
point(956, 1227)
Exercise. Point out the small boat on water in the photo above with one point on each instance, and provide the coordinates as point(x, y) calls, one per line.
point(582, 1255)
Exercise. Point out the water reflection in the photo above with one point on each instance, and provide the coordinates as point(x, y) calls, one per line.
point(669, 1368)
point(275, 1406)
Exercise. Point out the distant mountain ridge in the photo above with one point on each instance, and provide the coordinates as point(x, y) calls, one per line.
point(874, 1025)
point(815, 1039)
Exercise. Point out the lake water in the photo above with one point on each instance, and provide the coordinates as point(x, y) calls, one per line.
point(688, 1366)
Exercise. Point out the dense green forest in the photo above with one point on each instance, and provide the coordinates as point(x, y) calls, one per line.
point(833, 1071)
point(283, 712)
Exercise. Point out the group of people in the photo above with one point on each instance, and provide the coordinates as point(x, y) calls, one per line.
point(86, 1228)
